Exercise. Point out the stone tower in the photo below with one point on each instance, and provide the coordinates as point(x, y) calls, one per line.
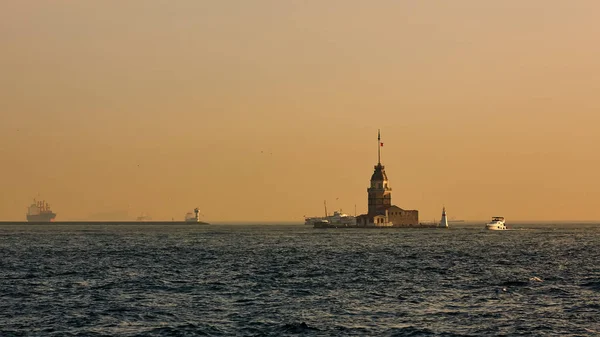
point(380, 193)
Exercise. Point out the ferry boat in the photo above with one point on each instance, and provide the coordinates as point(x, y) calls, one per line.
point(313, 220)
point(497, 224)
point(194, 217)
point(338, 219)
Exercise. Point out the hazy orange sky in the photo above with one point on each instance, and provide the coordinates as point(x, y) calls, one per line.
point(260, 110)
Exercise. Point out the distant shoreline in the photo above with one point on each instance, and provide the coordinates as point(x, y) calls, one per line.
point(96, 222)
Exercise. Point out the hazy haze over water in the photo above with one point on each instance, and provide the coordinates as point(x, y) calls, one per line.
point(260, 110)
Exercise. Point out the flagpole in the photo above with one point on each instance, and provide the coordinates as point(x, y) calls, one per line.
point(378, 147)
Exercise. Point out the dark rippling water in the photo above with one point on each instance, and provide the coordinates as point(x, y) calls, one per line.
point(271, 280)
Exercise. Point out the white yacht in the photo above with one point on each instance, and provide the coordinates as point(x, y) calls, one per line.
point(497, 224)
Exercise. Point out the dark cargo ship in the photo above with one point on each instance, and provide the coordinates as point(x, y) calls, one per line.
point(40, 211)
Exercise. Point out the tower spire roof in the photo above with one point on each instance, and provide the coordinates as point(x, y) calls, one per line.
point(379, 173)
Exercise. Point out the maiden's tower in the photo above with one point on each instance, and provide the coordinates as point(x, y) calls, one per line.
point(381, 212)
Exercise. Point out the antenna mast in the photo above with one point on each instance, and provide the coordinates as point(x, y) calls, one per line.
point(325, 203)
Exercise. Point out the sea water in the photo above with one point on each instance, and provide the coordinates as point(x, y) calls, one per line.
point(284, 280)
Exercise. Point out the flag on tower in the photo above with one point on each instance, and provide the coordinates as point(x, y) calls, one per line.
point(381, 144)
